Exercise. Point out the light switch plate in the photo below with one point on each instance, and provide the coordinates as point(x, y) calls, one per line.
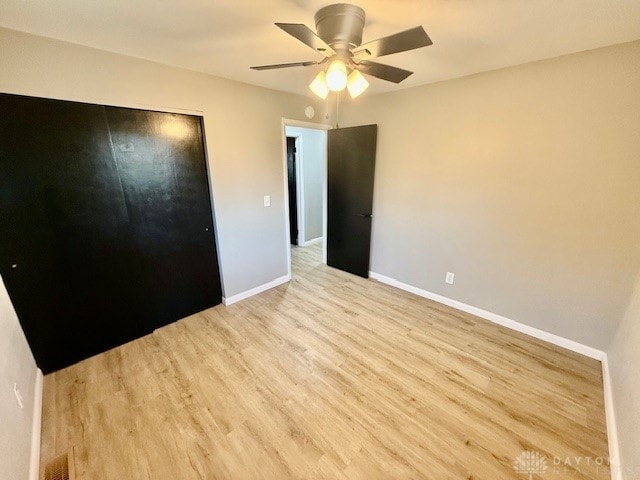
point(267, 200)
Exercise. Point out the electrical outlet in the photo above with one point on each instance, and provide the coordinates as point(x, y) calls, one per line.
point(267, 200)
point(449, 278)
point(18, 395)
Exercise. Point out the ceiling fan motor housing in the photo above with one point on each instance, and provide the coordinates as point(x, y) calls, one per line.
point(340, 25)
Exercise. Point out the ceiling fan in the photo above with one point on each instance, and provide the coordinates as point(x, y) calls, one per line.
point(339, 39)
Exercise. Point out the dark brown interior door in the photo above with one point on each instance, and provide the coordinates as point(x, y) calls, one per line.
point(351, 156)
point(293, 190)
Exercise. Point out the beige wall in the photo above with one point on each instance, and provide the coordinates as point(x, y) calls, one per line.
point(17, 366)
point(524, 182)
point(624, 364)
point(243, 132)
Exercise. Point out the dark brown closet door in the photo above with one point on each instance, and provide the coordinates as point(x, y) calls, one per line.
point(96, 248)
point(160, 160)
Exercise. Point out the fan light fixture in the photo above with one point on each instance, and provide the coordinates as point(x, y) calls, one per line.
point(335, 79)
point(319, 85)
point(356, 84)
point(337, 76)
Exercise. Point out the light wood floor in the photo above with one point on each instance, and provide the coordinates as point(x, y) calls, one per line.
point(331, 376)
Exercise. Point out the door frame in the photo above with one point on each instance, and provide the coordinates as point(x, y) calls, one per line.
point(289, 122)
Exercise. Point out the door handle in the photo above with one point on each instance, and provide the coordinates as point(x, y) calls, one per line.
point(364, 215)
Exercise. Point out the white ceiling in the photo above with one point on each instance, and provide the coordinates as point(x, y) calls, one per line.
point(226, 37)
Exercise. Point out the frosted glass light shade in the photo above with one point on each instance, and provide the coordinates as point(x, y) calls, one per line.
point(356, 84)
point(337, 76)
point(319, 85)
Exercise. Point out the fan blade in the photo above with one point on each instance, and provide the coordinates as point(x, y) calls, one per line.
point(384, 72)
point(400, 42)
point(284, 65)
point(308, 37)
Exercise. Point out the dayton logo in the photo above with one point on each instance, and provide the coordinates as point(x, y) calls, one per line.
point(530, 463)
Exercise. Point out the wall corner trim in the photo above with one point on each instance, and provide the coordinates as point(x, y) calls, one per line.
point(254, 291)
point(36, 428)
point(612, 425)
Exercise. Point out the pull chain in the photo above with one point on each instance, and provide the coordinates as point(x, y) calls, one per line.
point(337, 108)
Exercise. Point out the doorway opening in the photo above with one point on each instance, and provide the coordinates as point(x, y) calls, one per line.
point(292, 182)
point(305, 182)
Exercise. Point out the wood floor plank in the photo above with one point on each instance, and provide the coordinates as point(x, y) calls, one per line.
point(330, 376)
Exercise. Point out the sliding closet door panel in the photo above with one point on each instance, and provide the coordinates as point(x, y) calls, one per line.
point(160, 158)
point(64, 229)
point(106, 229)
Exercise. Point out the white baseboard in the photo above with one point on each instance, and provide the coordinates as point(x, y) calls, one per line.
point(36, 428)
point(256, 290)
point(495, 318)
point(612, 430)
point(612, 425)
point(313, 241)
